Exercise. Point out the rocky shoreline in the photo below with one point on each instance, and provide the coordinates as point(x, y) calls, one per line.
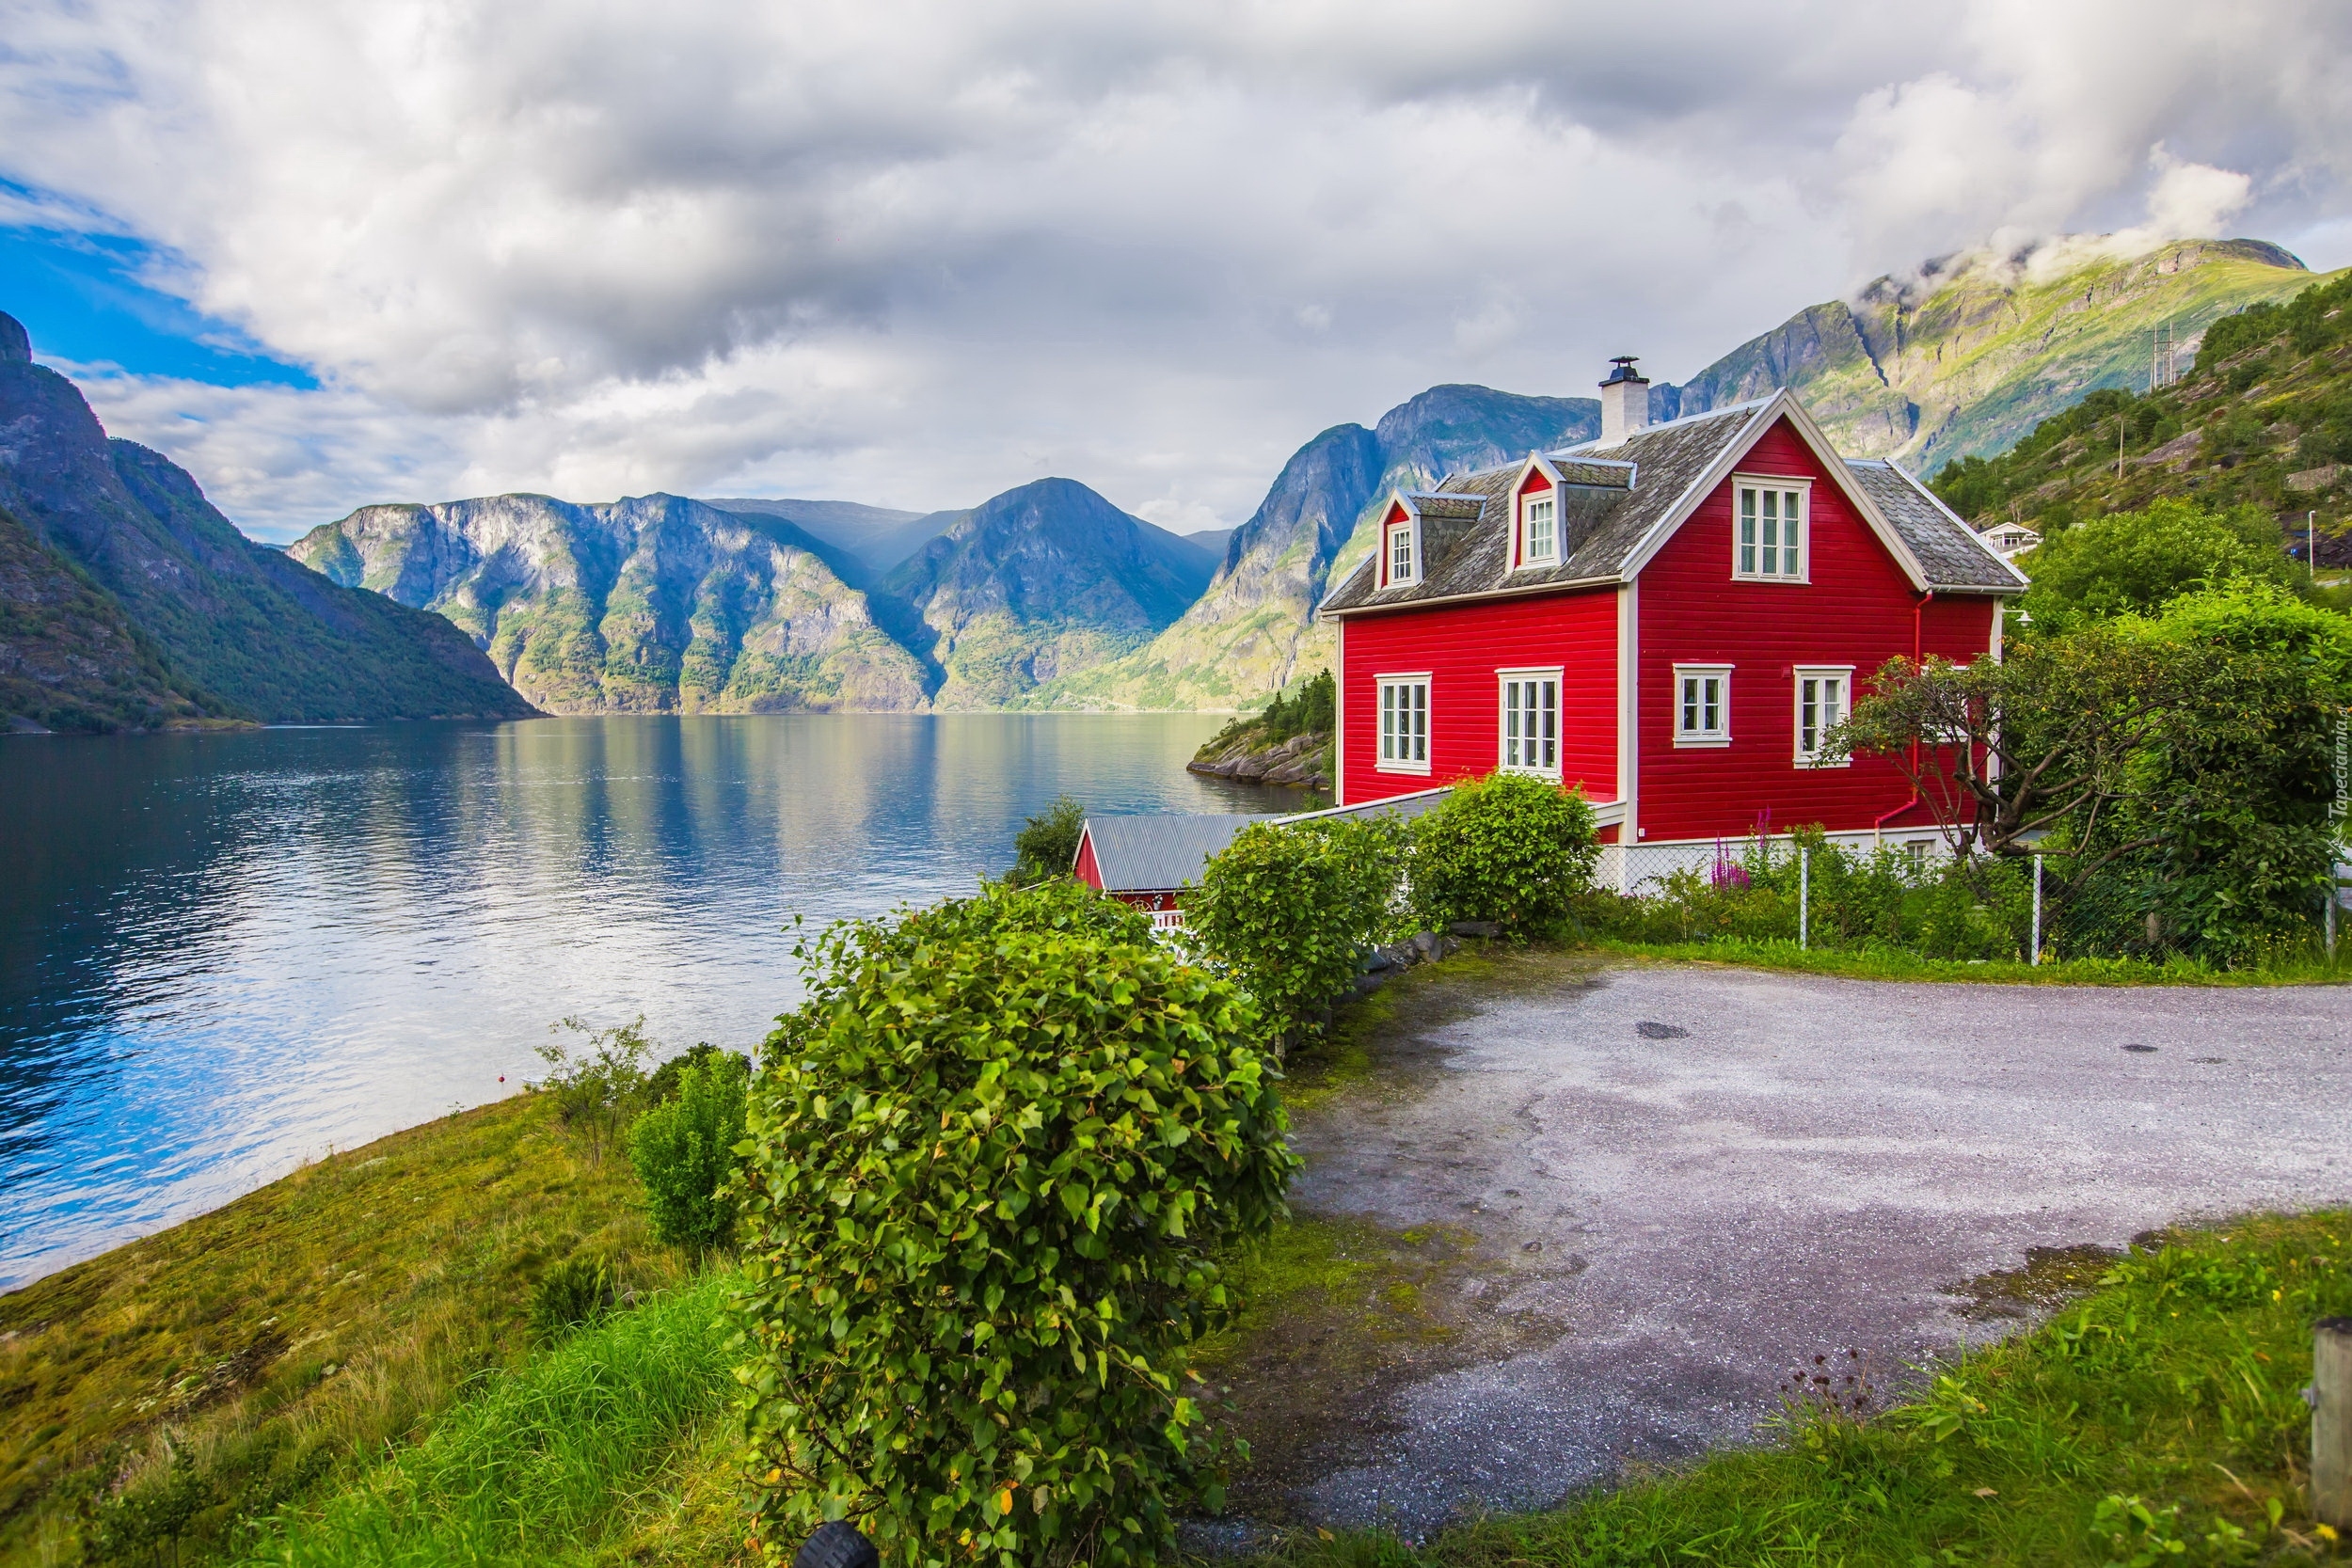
point(1304, 760)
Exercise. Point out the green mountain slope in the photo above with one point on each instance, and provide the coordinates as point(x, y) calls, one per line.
point(1966, 359)
point(262, 633)
point(1249, 635)
point(653, 604)
point(1032, 585)
point(70, 660)
point(2264, 419)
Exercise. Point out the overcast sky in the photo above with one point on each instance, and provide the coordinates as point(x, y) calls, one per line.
point(326, 253)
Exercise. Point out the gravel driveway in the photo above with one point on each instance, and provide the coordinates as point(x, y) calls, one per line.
point(1684, 1181)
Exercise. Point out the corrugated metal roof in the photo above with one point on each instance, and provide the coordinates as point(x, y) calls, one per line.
point(1162, 853)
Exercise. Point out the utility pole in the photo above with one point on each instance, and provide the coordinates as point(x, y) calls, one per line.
point(2120, 421)
point(2311, 543)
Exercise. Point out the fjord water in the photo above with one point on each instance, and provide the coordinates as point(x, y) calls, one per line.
point(223, 954)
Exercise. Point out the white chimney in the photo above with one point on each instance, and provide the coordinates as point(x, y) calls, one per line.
point(1623, 401)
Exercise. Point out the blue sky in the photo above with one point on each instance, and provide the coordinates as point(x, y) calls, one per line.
point(84, 299)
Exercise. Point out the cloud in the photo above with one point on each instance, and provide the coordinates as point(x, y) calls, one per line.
point(913, 253)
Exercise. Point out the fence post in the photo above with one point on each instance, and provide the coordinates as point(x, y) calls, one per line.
point(1804, 894)
point(2037, 911)
point(2331, 1422)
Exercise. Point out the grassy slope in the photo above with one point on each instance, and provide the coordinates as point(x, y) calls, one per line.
point(2232, 431)
point(405, 1265)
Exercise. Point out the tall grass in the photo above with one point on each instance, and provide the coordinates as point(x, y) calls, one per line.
point(539, 1465)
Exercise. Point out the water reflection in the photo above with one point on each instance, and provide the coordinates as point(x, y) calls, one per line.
point(222, 954)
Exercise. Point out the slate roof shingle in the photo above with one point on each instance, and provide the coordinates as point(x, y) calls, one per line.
point(1613, 497)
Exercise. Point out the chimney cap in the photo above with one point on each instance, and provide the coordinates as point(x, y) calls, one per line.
point(1625, 370)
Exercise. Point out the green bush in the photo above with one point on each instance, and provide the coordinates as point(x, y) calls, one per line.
point(594, 1089)
point(664, 1083)
point(575, 1292)
point(684, 1152)
point(1287, 913)
point(1049, 845)
point(1508, 848)
point(996, 1153)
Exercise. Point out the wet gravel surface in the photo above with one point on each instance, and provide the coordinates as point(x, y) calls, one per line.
point(1691, 1180)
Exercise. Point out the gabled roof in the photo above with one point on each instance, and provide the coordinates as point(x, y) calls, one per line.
point(1619, 505)
point(1158, 854)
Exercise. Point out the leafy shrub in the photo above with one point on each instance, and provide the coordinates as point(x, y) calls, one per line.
point(594, 1089)
point(664, 1084)
point(1287, 913)
point(996, 1154)
point(684, 1151)
point(2139, 561)
point(578, 1291)
point(1047, 846)
point(1508, 848)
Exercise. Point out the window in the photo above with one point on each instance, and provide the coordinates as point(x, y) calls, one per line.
point(1702, 704)
point(1539, 531)
point(1821, 697)
point(1768, 530)
point(1530, 730)
point(1405, 723)
point(1401, 553)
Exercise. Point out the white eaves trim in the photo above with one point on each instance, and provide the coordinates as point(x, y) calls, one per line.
point(1766, 413)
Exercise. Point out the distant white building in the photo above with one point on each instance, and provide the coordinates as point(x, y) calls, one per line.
point(2011, 539)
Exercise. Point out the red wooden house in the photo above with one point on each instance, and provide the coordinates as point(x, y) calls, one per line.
point(1671, 617)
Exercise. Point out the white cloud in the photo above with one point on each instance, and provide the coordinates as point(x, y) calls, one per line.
point(914, 253)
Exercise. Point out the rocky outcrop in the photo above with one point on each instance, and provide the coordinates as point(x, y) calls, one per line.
point(652, 604)
point(1303, 760)
point(242, 628)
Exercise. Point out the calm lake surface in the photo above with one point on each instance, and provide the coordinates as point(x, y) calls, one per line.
point(223, 955)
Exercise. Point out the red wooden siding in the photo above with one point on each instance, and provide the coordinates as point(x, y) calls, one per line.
point(1462, 646)
point(1857, 609)
point(1086, 870)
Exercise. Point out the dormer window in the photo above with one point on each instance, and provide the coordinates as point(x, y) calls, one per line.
point(1539, 529)
point(1400, 553)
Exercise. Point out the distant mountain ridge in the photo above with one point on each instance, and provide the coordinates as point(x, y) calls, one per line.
point(118, 560)
point(663, 604)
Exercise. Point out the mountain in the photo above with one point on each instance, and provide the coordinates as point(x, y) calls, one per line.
point(1248, 635)
point(1965, 358)
point(264, 636)
point(70, 658)
point(652, 604)
point(1036, 583)
point(2263, 419)
point(1970, 355)
point(1212, 540)
point(860, 542)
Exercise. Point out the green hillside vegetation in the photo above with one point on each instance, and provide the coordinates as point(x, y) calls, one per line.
point(2264, 420)
point(70, 660)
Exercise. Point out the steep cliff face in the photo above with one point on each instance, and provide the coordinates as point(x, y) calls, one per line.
point(653, 604)
point(1249, 635)
point(1037, 583)
point(262, 633)
point(1970, 355)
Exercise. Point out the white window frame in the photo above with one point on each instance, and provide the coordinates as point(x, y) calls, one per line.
point(1528, 502)
point(1702, 737)
point(1749, 528)
point(1809, 756)
point(1394, 746)
point(1410, 529)
point(1516, 752)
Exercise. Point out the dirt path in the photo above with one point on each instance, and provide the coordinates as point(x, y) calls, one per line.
point(1635, 1199)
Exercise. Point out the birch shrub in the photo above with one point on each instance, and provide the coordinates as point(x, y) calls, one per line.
point(993, 1158)
point(1288, 912)
point(1509, 848)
